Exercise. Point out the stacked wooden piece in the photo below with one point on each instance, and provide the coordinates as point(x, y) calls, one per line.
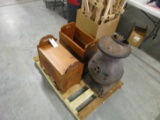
point(101, 11)
point(99, 18)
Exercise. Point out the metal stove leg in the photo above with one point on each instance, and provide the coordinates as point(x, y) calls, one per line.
point(155, 30)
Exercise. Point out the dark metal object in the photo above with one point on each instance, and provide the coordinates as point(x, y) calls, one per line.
point(105, 67)
point(105, 70)
point(114, 47)
point(156, 26)
point(99, 89)
point(153, 33)
point(57, 3)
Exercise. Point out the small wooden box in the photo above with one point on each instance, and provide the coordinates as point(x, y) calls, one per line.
point(65, 69)
point(82, 45)
point(93, 29)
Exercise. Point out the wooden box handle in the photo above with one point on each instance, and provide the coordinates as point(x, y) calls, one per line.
point(45, 40)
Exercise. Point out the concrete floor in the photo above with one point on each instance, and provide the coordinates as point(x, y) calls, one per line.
point(26, 95)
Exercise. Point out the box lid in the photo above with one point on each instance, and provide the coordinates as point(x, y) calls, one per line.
point(59, 57)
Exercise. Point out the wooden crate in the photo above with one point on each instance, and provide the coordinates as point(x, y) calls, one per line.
point(80, 100)
point(79, 43)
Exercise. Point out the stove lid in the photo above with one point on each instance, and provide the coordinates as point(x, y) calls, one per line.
point(114, 47)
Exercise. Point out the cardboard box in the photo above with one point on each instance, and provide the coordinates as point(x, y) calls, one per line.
point(93, 29)
point(137, 36)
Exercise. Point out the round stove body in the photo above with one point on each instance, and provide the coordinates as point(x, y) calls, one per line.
point(105, 66)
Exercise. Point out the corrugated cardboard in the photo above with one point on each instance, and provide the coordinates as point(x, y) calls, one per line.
point(93, 29)
point(137, 36)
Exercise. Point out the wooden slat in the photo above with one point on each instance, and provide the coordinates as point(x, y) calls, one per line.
point(73, 89)
point(36, 58)
point(96, 102)
point(113, 89)
point(90, 108)
point(73, 110)
point(82, 98)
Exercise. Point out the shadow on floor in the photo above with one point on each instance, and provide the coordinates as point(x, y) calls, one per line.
point(158, 118)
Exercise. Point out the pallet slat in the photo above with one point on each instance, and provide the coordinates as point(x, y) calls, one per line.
point(68, 103)
point(74, 89)
point(82, 98)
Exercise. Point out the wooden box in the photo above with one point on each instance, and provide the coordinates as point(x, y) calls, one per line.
point(93, 29)
point(82, 45)
point(65, 69)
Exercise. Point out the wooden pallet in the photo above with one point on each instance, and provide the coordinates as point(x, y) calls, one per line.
point(79, 99)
